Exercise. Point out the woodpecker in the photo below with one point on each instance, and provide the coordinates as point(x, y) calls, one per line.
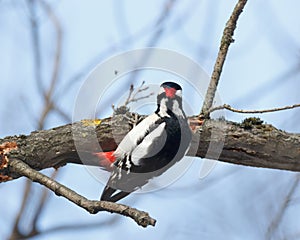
point(151, 147)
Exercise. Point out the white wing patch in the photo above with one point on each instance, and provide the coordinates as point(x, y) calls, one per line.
point(151, 144)
point(130, 141)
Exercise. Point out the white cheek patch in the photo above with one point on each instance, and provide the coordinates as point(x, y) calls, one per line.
point(163, 108)
point(176, 109)
point(179, 93)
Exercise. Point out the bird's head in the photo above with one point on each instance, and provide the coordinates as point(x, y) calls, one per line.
point(169, 97)
point(170, 90)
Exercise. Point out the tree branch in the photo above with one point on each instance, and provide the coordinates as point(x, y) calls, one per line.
point(93, 207)
point(224, 46)
point(228, 107)
point(250, 143)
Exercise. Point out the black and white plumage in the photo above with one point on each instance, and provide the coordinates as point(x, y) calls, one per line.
point(151, 147)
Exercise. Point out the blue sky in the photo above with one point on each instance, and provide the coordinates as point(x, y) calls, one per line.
point(233, 201)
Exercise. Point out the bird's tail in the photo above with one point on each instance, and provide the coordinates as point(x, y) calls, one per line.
point(112, 195)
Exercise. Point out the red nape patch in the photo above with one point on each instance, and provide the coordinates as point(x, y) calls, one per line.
point(105, 159)
point(170, 92)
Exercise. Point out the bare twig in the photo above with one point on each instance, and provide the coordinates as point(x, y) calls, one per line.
point(92, 206)
point(131, 89)
point(61, 113)
point(132, 96)
point(228, 107)
point(35, 44)
point(140, 98)
point(178, 21)
point(279, 216)
point(57, 58)
point(33, 231)
point(77, 227)
point(139, 90)
point(163, 17)
point(49, 105)
point(160, 27)
point(41, 204)
point(15, 233)
point(224, 46)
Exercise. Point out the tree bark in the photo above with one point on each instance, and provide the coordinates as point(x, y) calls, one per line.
point(250, 143)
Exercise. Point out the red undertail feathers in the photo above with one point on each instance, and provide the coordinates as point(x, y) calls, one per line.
point(105, 159)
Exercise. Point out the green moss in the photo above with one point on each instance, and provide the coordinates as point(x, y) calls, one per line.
point(248, 123)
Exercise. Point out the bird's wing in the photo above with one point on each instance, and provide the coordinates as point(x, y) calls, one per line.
point(143, 141)
point(140, 136)
point(151, 145)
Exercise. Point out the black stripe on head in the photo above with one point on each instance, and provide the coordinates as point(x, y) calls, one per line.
point(171, 85)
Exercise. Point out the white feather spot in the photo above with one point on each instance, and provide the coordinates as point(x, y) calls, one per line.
point(128, 164)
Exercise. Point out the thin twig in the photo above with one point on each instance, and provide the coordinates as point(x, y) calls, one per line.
point(177, 22)
point(48, 101)
point(279, 216)
point(15, 233)
point(32, 4)
point(224, 46)
point(35, 44)
point(57, 59)
point(159, 30)
point(92, 206)
point(61, 113)
point(49, 105)
point(140, 98)
point(132, 96)
point(139, 90)
point(81, 226)
point(131, 89)
point(41, 205)
point(169, 5)
point(228, 107)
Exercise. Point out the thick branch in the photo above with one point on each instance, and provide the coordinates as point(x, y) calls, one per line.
point(251, 143)
point(19, 167)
